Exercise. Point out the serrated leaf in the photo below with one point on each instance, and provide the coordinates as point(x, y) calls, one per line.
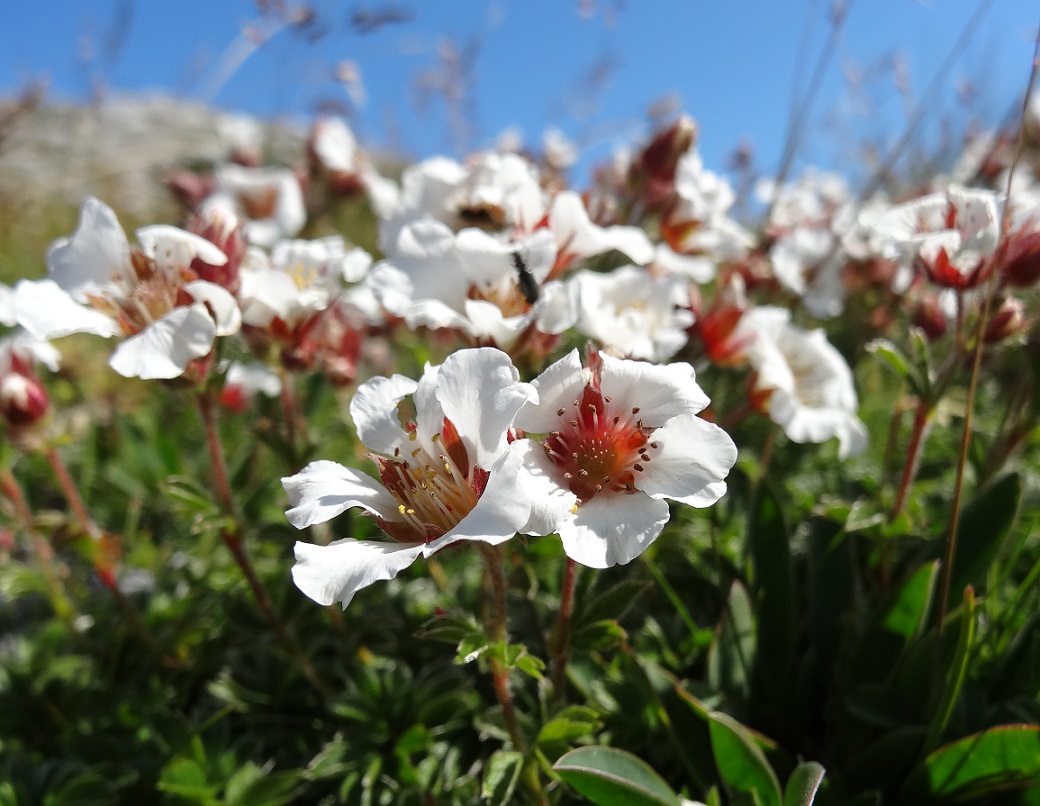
point(611, 777)
point(803, 784)
point(740, 760)
point(500, 776)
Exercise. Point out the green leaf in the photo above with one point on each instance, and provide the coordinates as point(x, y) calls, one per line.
point(732, 653)
point(984, 527)
point(802, 785)
point(997, 759)
point(773, 590)
point(895, 360)
point(899, 622)
point(885, 760)
point(611, 777)
point(740, 760)
point(500, 776)
point(185, 778)
point(955, 672)
point(598, 635)
point(562, 729)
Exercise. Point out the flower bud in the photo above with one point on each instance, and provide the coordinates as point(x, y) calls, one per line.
point(1007, 321)
point(1018, 259)
point(928, 316)
point(23, 400)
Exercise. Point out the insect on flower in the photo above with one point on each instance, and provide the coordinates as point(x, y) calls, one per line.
point(528, 285)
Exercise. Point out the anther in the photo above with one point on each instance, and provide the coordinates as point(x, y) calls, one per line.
point(617, 420)
point(635, 409)
point(653, 445)
point(568, 476)
point(573, 423)
point(637, 468)
point(397, 451)
point(561, 411)
point(583, 472)
point(606, 399)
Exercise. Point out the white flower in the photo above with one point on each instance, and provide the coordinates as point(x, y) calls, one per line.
point(334, 145)
point(703, 195)
point(468, 281)
point(950, 235)
point(559, 151)
point(632, 314)
point(269, 199)
point(7, 314)
point(809, 262)
point(97, 285)
point(299, 279)
point(616, 440)
point(499, 191)
point(578, 238)
point(801, 381)
point(447, 476)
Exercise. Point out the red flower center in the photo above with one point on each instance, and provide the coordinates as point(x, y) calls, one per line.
point(598, 447)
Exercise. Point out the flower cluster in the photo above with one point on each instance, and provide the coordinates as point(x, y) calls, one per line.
point(485, 456)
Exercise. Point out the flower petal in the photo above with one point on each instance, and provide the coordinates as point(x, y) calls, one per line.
point(174, 248)
point(374, 412)
point(324, 489)
point(49, 312)
point(7, 315)
point(337, 571)
point(661, 392)
point(613, 529)
point(480, 392)
point(692, 459)
point(166, 347)
point(96, 255)
point(222, 305)
point(499, 514)
point(551, 503)
point(559, 385)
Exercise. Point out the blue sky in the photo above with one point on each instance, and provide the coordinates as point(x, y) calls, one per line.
point(731, 64)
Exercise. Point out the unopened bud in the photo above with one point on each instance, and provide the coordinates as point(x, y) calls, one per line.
point(930, 318)
point(1019, 259)
point(1007, 321)
point(661, 156)
point(23, 400)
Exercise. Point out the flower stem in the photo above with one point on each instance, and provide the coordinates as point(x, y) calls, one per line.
point(295, 423)
point(499, 673)
point(922, 420)
point(561, 646)
point(101, 557)
point(949, 553)
point(41, 548)
point(231, 534)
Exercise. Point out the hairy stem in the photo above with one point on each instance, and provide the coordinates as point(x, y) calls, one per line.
point(950, 551)
point(41, 548)
point(231, 534)
point(561, 644)
point(496, 624)
point(918, 434)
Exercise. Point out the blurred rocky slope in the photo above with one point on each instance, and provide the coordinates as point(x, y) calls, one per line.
point(52, 155)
